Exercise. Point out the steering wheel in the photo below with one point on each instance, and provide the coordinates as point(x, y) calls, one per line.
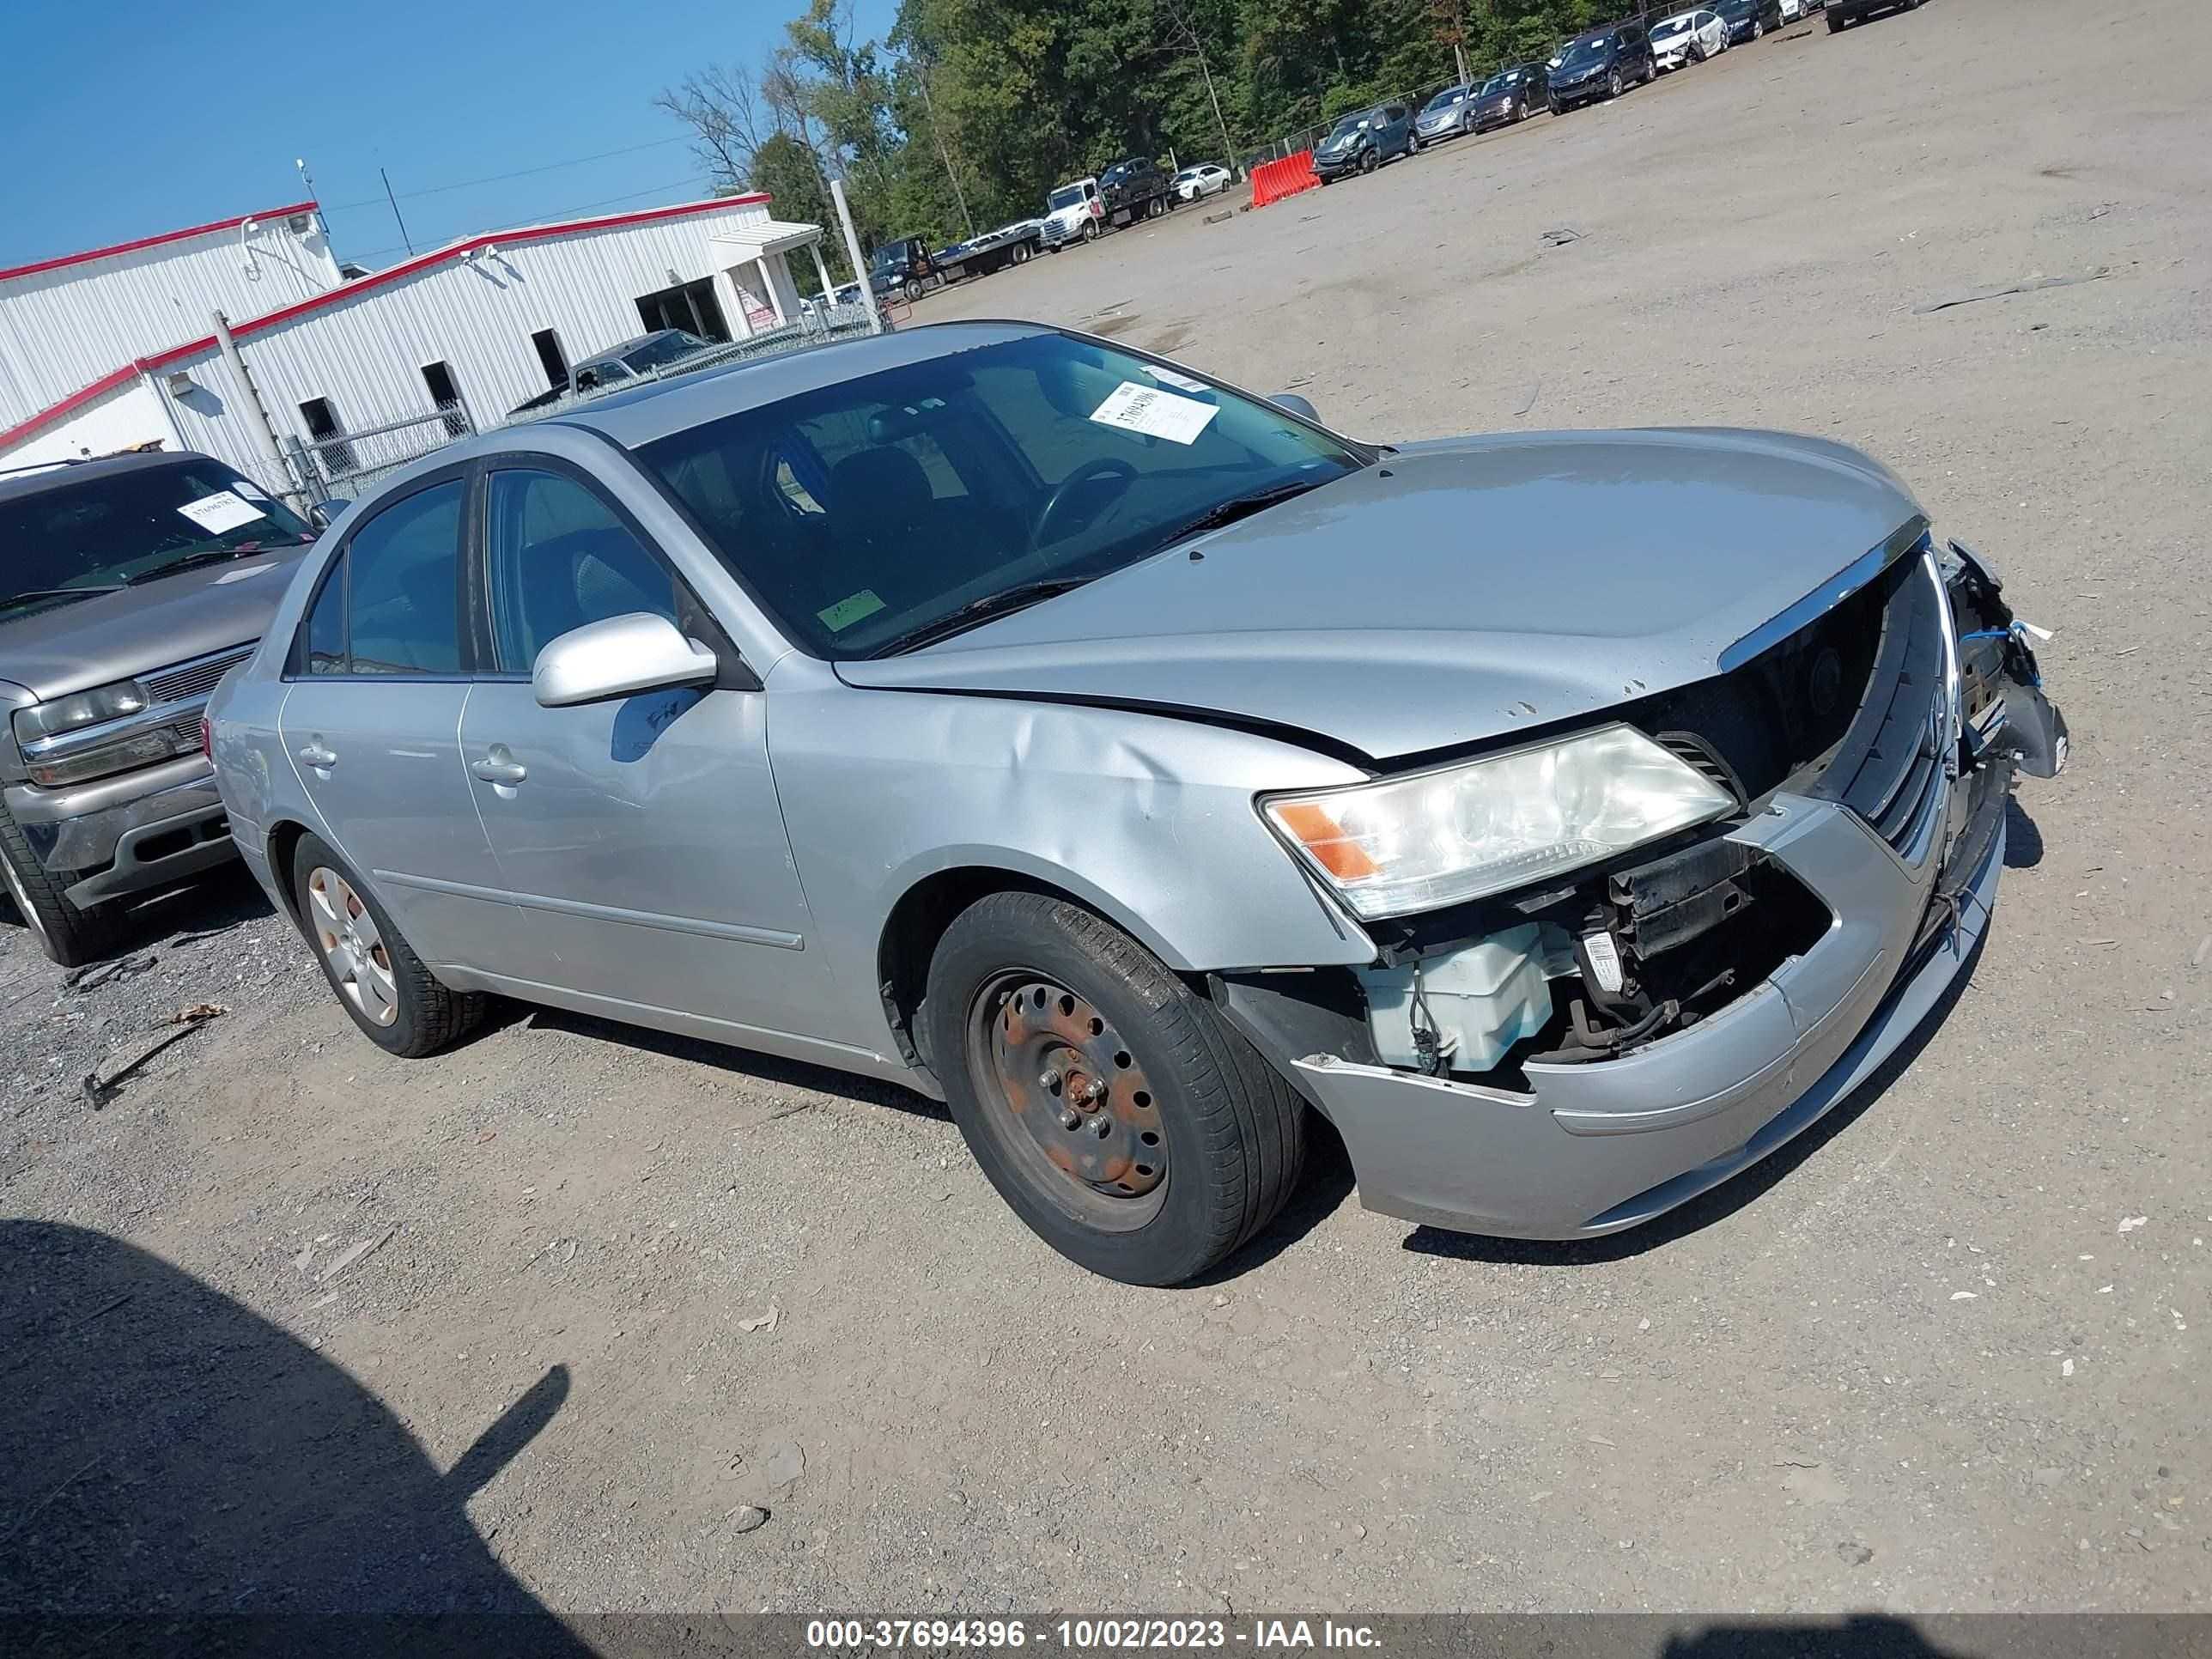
point(1092, 471)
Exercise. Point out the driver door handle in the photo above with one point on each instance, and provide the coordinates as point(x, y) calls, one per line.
point(492, 769)
point(317, 756)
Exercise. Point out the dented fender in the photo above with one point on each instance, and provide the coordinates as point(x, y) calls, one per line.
point(1147, 818)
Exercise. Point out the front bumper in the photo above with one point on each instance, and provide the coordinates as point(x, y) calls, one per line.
point(125, 834)
point(1336, 167)
point(1595, 1148)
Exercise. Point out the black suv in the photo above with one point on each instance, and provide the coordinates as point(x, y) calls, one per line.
point(1599, 65)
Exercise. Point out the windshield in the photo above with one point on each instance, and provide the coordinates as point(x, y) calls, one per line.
point(1505, 82)
point(863, 512)
point(1444, 100)
point(1585, 51)
point(1349, 124)
point(103, 531)
point(1671, 27)
point(1066, 195)
point(664, 349)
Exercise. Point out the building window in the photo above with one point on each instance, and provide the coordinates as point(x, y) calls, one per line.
point(447, 397)
point(552, 358)
point(691, 306)
point(323, 428)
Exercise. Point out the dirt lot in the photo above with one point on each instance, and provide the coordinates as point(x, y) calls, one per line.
point(1949, 1352)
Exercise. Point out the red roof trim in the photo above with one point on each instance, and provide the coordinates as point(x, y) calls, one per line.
point(68, 260)
point(247, 330)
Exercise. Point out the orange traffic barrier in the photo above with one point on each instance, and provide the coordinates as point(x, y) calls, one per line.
point(1273, 181)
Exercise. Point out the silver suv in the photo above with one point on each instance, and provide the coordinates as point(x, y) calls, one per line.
point(129, 587)
point(1139, 766)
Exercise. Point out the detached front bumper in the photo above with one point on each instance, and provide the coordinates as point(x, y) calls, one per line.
point(1595, 1148)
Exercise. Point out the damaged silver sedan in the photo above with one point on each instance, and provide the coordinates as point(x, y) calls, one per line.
point(1140, 767)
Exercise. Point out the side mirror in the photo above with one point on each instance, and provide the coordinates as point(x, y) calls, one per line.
point(324, 514)
point(1296, 404)
point(617, 657)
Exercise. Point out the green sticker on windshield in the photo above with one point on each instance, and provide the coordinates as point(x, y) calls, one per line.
point(843, 614)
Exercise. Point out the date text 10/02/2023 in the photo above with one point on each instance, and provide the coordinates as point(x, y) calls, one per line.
point(1260, 1635)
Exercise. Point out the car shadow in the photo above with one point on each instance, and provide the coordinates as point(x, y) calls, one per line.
point(2023, 840)
point(1723, 1201)
point(1860, 1636)
point(738, 1063)
point(176, 1473)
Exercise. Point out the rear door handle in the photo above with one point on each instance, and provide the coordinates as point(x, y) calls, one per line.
point(317, 756)
point(493, 769)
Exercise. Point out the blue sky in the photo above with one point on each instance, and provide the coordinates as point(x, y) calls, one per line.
point(123, 119)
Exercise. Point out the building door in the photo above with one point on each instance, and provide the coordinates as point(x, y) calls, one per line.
point(691, 306)
point(552, 358)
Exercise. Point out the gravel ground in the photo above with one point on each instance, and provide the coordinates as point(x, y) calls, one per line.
point(1946, 1354)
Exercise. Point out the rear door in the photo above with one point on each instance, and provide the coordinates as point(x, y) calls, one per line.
point(372, 720)
point(641, 837)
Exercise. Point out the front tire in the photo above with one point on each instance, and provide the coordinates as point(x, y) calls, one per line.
point(397, 1002)
point(70, 937)
point(1118, 1114)
point(1614, 85)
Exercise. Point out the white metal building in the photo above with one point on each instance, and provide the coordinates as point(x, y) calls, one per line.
point(114, 348)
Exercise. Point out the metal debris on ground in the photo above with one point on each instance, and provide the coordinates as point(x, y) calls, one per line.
point(1560, 235)
point(99, 1084)
point(2025, 285)
point(349, 1257)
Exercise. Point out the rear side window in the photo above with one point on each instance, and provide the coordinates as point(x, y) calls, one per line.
point(403, 605)
point(324, 650)
point(560, 558)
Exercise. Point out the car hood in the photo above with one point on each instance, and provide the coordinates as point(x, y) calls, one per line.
point(112, 636)
point(1453, 592)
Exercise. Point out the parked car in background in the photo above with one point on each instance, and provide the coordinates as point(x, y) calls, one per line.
point(1603, 63)
point(1363, 141)
point(1688, 37)
point(1512, 95)
point(987, 708)
point(1207, 179)
point(1842, 13)
point(1748, 19)
point(128, 587)
point(1447, 115)
point(660, 349)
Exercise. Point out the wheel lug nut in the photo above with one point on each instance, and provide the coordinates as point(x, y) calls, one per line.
point(1094, 1090)
point(1070, 1118)
point(1048, 1080)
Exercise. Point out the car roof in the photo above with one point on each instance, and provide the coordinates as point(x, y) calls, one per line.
point(632, 345)
point(640, 415)
point(22, 484)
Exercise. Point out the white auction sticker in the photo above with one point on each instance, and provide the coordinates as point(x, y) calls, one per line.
point(219, 511)
point(252, 492)
point(1180, 382)
point(1155, 413)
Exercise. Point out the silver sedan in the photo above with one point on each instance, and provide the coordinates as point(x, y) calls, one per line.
point(1141, 767)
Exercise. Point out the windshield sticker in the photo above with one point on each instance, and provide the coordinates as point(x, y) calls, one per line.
point(252, 492)
point(1154, 413)
point(1180, 382)
point(219, 511)
point(843, 614)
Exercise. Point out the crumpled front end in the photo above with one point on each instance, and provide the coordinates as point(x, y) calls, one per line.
point(1634, 1036)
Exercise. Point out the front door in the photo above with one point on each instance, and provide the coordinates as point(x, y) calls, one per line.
point(372, 721)
point(641, 836)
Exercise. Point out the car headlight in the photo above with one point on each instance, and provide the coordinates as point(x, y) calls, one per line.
point(1482, 827)
point(102, 702)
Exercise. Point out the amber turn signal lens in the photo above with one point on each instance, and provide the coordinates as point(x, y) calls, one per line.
point(1323, 837)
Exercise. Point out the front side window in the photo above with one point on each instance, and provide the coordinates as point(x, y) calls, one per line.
point(131, 526)
point(559, 558)
point(402, 569)
point(864, 514)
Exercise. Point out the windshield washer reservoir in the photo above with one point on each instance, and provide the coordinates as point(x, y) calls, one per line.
point(1479, 999)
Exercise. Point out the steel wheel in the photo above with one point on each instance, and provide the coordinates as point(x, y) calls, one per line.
point(1069, 1099)
point(359, 962)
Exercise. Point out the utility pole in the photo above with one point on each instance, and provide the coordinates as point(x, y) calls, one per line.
point(938, 133)
point(852, 252)
point(394, 200)
point(1198, 51)
point(265, 431)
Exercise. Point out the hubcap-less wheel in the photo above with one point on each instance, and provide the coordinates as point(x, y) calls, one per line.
point(350, 942)
point(1069, 1099)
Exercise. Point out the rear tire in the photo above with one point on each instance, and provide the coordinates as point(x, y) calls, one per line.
point(380, 983)
point(70, 937)
point(1191, 1143)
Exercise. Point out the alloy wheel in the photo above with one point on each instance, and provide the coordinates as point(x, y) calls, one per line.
point(351, 943)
